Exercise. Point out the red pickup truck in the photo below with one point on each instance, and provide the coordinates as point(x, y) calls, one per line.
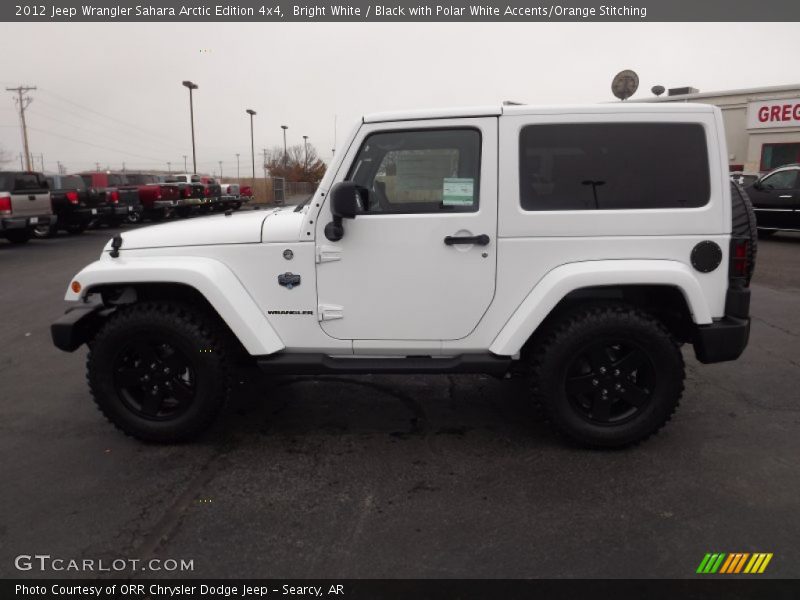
point(158, 199)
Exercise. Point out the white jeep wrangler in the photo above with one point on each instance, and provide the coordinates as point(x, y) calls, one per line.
point(552, 243)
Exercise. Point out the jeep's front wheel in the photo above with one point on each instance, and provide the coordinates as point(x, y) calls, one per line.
point(608, 375)
point(158, 372)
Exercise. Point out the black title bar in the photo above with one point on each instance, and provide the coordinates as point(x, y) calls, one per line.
point(404, 11)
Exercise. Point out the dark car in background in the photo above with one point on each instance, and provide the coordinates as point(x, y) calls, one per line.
point(114, 190)
point(74, 204)
point(776, 200)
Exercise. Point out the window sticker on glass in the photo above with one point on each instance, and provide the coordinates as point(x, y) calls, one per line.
point(458, 191)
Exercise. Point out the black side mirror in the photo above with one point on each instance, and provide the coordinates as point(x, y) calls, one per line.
point(347, 200)
point(758, 185)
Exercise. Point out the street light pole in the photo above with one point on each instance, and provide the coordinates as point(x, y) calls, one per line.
point(251, 112)
point(305, 158)
point(169, 167)
point(285, 156)
point(220, 170)
point(185, 169)
point(192, 86)
point(237, 165)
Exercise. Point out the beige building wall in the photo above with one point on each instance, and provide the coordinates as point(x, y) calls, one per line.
point(744, 145)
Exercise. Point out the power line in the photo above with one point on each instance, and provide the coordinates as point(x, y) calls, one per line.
point(77, 141)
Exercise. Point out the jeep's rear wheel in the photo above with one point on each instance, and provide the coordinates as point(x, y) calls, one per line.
point(158, 372)
point(608, 375)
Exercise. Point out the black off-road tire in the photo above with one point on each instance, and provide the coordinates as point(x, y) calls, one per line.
point(569, 336)
point(19, 236)
point(181, 326)
point(743, 219)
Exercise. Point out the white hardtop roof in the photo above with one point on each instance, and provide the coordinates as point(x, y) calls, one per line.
point(531, 109)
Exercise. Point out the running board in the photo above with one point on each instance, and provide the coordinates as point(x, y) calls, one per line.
point(317, 364)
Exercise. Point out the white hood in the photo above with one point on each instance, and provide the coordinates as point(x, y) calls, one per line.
point(238, 228)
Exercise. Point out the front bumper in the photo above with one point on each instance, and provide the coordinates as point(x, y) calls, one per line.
point(77, 326)
point(726, 338)
point(27, 222)
point(189, 202)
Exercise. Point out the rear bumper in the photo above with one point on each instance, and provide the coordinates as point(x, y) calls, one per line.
point(77, 326)
point(726, 338)
point(27, 222)
point(121, 210)
point(162, 204)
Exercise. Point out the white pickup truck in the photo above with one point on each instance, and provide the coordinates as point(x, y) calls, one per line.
point(551, 243)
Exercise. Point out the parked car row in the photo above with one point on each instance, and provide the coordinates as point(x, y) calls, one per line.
point(38, 204)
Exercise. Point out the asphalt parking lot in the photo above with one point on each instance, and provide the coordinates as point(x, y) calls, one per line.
point(380, 476)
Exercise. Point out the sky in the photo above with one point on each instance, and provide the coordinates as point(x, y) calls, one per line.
point(111, 93)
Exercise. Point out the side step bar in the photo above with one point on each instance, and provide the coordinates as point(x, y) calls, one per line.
point(317, 364)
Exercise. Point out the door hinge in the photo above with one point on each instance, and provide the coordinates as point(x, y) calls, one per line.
point(329, 312)
point(328, 254)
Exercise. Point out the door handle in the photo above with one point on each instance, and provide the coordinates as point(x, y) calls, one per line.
point(480, 240)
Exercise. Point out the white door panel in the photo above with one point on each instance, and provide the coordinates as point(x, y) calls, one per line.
point(394, 278)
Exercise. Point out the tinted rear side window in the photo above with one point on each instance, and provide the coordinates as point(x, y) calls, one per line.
point(607, 166)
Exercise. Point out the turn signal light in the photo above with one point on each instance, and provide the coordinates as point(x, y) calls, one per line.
point(75, 287)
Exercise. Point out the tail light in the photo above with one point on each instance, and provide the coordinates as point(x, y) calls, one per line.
point(208, 191)
point(5, 205)
point(113, 197)
point(228, 190)
point(72, 197)
point(738, 259)
point(158, 196)
point(186, 192)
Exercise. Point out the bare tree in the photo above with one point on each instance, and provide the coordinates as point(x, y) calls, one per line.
point(298, 166)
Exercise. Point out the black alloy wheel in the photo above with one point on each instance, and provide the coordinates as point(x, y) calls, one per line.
point(610, 381)
point(154, 379)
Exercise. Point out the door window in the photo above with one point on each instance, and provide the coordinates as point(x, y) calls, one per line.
point(782, 180)
point(422, 171)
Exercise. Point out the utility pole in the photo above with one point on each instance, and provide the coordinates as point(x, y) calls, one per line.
point(237, 165)
point(23, 104)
